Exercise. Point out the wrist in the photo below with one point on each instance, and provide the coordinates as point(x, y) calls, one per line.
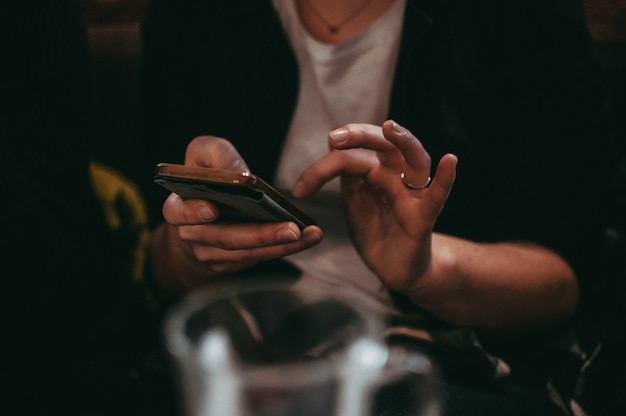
point(437, 287)
point(175, 267)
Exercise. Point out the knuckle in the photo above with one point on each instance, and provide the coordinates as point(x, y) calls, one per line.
point(200, 253)
point(248, 256)
point(185, 233)
point(267, 238)
point(223, 241)
point(167, 213)
point(222, 146)
point(201, 142)
point(169, 208)
point(205, 254)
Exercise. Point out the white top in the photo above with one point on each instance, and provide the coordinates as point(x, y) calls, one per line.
point(339, 84)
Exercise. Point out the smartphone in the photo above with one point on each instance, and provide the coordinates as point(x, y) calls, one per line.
point(241, 197)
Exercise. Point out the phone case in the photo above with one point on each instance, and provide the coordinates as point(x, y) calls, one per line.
point(239, 196)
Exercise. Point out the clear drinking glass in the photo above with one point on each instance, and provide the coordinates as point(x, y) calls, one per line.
point(269, 349)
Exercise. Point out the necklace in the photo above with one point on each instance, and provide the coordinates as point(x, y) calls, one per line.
point(334, 28)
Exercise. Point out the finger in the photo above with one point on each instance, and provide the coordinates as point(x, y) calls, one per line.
point(442, 183)
point(230, 236)
point(252, 255)
point(179, 211)
point(215, 152)
point(353, 162)
point(366, 136)
point(417, 159)
point(359, 135)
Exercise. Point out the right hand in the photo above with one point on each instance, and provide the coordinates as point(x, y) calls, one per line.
point(219, 247)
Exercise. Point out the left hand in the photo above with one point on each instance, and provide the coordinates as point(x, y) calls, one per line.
point(391, 225)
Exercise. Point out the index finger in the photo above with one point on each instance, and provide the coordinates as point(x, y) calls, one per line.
point(366, 136)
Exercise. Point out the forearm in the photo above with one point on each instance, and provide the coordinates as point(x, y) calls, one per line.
point(510, 285)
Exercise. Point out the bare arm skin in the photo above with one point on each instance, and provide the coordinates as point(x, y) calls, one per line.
point(505, 285)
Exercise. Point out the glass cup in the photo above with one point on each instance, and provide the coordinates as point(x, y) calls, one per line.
point(273, 350)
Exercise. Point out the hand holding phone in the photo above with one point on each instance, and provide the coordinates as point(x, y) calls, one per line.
point(240, 197)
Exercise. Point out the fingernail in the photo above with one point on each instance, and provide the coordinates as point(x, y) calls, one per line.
point(339, 135)
point(299, 190)
point(205, 213)
point(287, 234)
point(398, 128)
